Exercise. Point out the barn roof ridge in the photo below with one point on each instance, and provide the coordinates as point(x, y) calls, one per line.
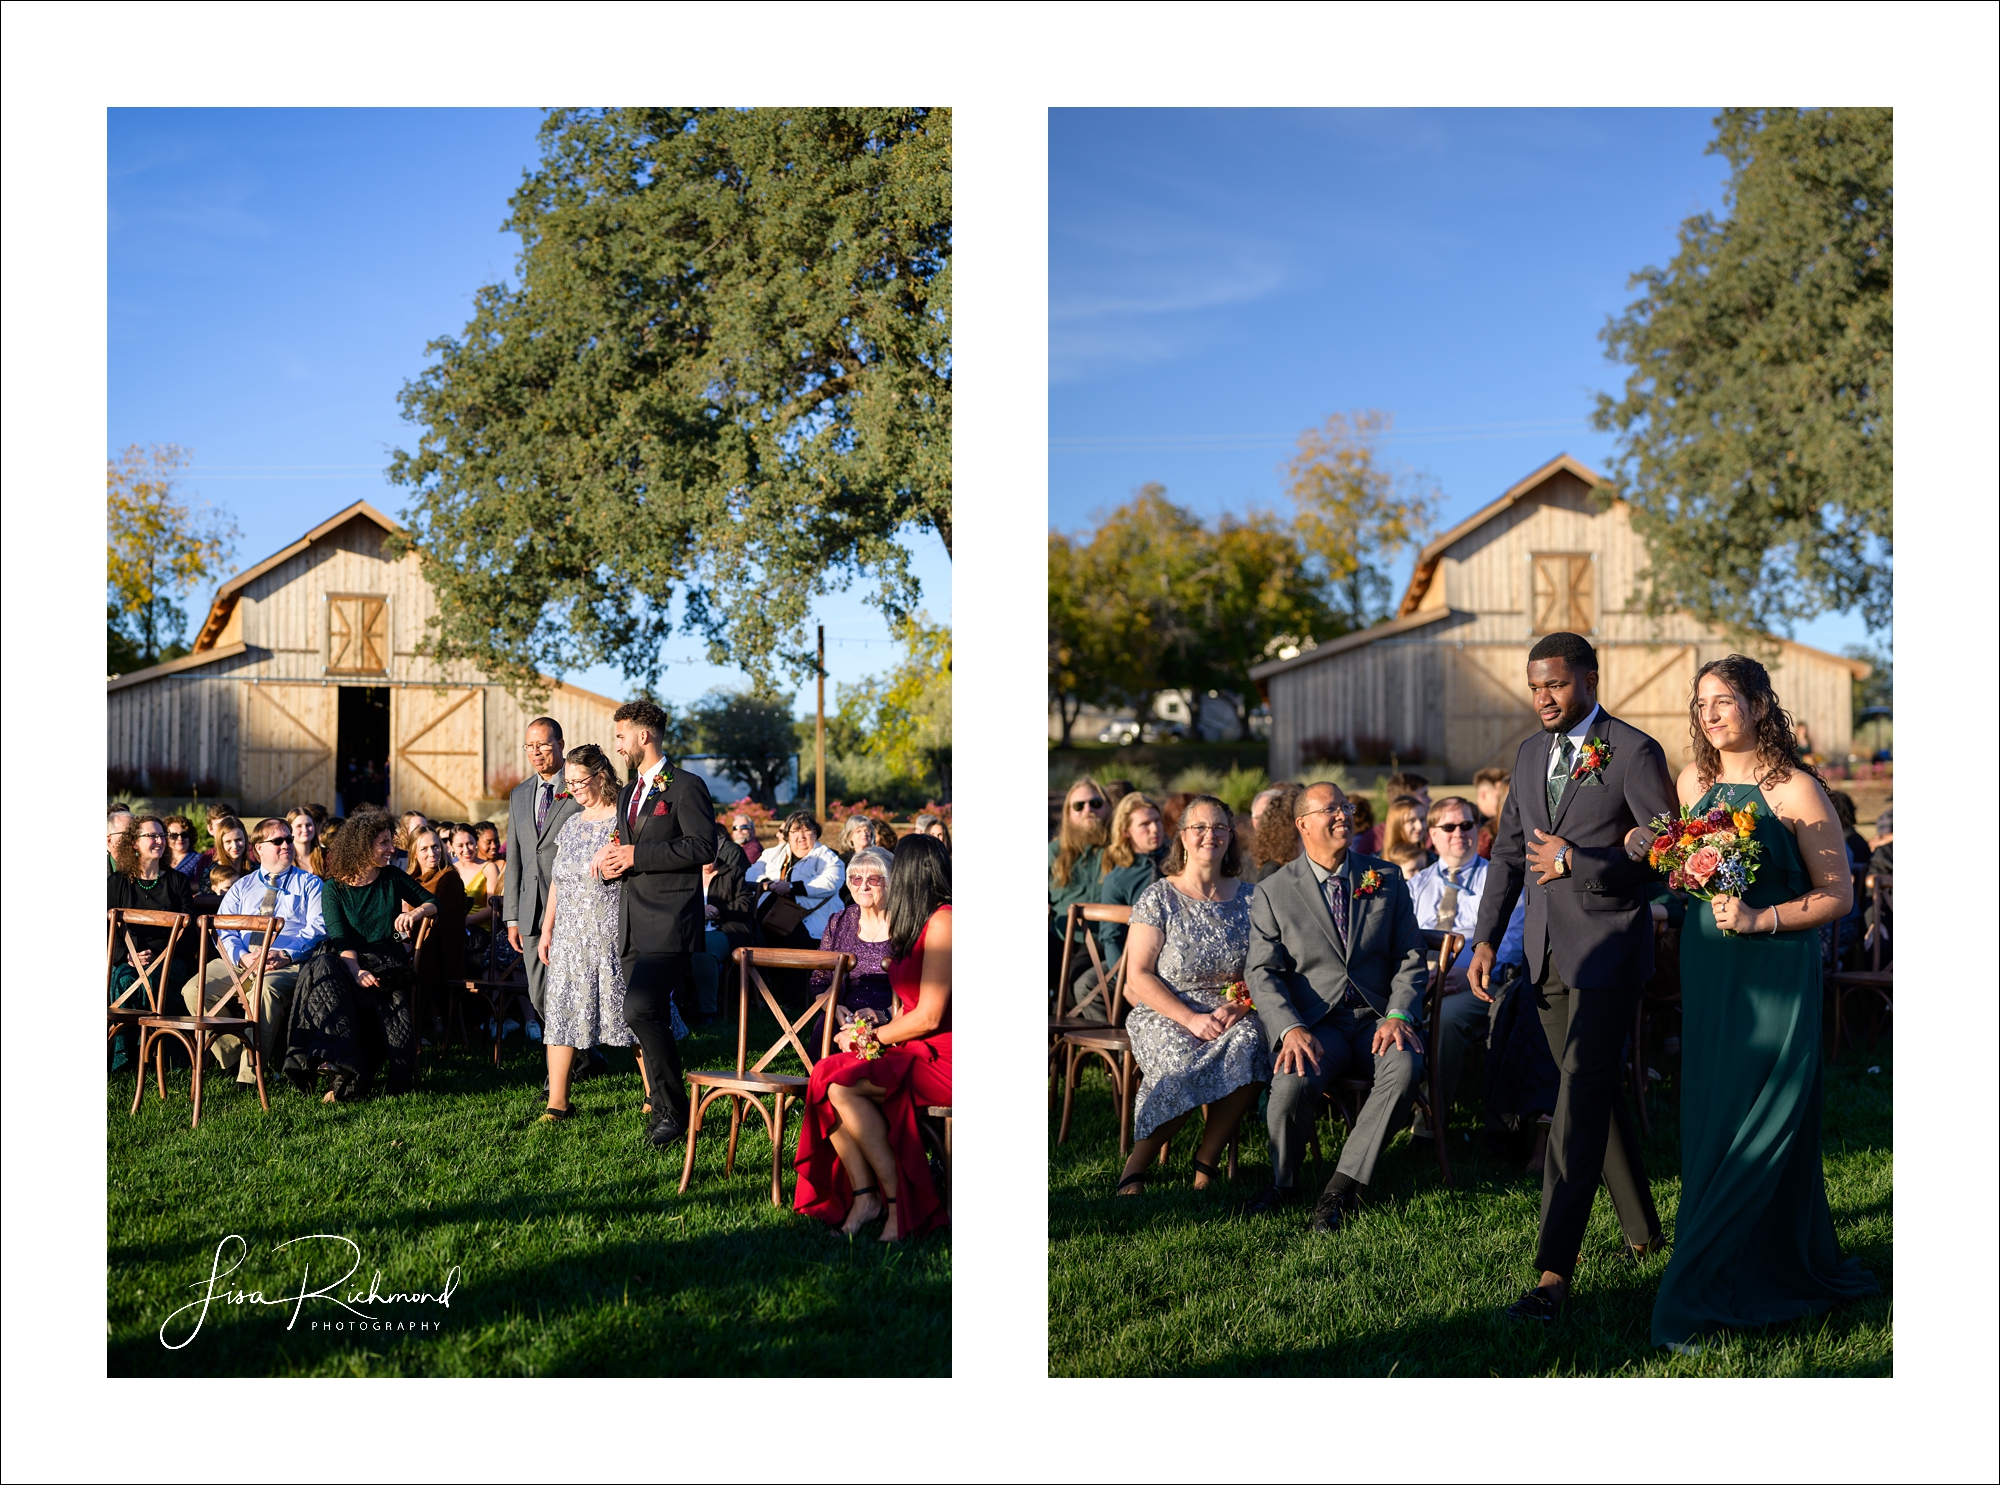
point(226, 595)
point(1433, 552)
point(1387, 629)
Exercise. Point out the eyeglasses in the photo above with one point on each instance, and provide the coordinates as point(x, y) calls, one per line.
point(1339, 810)
point(742, 830)
point(151, 835)
point(280, 843)
point(177, 835)
point(867, 881)
point(1081, 806)
point(1454, 828)
point(1207, 832)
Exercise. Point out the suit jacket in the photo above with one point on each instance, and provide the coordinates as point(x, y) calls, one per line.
point(659, 899)
point(531, 853)
point(1596, 922)
point(1297, 970)
point(735, 900)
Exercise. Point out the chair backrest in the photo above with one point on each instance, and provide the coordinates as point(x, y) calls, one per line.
point(1879, 953)
point(151, 981)
point(244, 987)
point(417, 941)
point(1104, 994)
point(748, 962)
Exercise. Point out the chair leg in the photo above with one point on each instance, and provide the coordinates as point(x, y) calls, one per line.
point(694, 1129)
point(1069, 1093)
point(139, 1089)
point(777, 1156)
point(1126, 1087)
point(735, 1127)
point(160, 1064)
point(257, 1067)
point(200, 1051)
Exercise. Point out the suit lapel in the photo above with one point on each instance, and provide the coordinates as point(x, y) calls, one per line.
point(1540, 794)
point(1570, 790)
point(1315, 902)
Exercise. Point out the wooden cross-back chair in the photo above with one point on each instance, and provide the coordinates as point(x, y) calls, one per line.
point(1877, 980)
point(1094, 1008)
point(1074, 1041)
point(1348, 1094)
point(200, 1029)
point(752, 1082)
point(144, 996)
point(501, 993)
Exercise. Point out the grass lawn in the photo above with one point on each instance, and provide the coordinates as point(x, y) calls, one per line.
point(575, 1254)
point(1174, 1284)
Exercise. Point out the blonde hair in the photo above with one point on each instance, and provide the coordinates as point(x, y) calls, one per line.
point(1074, 841)
point(1119, 851)
point(1409, 855)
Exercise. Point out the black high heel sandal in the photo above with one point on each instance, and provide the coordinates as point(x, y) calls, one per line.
point(1138, 1180)
point(1202, 1167)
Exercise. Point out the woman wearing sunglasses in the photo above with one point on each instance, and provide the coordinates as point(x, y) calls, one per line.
point(182, 854)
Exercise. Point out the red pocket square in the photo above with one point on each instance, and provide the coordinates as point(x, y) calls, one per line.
point(660, 808)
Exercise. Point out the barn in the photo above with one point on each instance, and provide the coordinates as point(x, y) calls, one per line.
point(1444, 680)
point(304, 685)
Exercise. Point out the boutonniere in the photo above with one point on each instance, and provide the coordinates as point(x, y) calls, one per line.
point(1370, 883)
point(1591, 758)
point(1238, 993)
point(561, 795)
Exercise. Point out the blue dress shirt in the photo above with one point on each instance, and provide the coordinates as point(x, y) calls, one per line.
point(298, 904)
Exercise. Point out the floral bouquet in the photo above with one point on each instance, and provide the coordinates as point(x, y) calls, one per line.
point(1707, 854)
point(864, 1044)
point(1238, 993)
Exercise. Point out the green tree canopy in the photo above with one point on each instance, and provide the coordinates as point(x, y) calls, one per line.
point(751, 734)
point(1755, 422)
point(902, 720)
point(1355, 511)
point(158, 545)
point(722, 381)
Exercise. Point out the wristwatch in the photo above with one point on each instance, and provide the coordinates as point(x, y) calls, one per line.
point(1562, 860)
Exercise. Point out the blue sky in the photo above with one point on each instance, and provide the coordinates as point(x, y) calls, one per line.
point(274, 277)
point(1220, 279)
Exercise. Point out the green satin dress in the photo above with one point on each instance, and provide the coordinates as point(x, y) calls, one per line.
point(1753, 1242)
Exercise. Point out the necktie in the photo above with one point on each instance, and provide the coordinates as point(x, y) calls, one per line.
point(1335, 892)
point(542, 794)
point(1559, 778)
point(1447, 917)
point(638, 793)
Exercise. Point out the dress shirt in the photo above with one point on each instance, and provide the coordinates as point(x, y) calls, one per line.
point(298, 904)
point(638, 800)
point(1576, 736)
point(1427, 888)
point(820, 874)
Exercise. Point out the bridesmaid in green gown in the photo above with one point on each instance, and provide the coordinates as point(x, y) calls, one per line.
point(1754, 1241)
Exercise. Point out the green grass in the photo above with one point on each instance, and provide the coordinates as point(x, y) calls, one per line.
point(1173, 1283)
point(576, 1255)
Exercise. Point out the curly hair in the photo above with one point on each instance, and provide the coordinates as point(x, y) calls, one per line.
point(353, 850)
point(1777, 744)
point(1276, 838)
point(126, 855)
point(1177, 857)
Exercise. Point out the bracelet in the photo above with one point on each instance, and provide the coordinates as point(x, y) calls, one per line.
point(1398, 1015)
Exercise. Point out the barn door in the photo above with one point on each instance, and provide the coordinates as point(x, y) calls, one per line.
point(1647, 685)
point(287, 748)
point(1565, 592)
point(437, 761)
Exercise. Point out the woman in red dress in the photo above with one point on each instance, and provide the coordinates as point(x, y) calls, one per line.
point(861, 1154)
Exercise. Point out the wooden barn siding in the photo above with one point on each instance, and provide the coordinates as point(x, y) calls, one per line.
point(584, 719)
point(187, 720)
point(1394, 689)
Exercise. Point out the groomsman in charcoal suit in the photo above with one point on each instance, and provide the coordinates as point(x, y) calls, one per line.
point(666, 834)
point(1581, 787)
point(1336, 970)
point(535, 814)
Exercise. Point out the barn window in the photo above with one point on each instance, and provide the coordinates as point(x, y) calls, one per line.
point(1565, 596)
point(357, 634)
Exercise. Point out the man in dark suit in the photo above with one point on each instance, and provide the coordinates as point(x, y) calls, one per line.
point(666, 834)
point(1581, 788)
point(1336, 971)
point(536, 811)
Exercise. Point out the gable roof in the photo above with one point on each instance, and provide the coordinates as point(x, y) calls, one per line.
point(229, 592)
point(1431, 555)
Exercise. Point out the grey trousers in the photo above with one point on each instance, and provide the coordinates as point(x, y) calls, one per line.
point(1344, 1037)
point(531, 950)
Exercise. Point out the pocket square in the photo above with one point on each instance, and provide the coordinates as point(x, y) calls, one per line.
point(660, 808)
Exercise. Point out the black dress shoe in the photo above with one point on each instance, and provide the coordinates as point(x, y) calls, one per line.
point(666, 1129)
point(1544, 1305)
point(1269, 1200)
point(1639, 1252)
point(1329, 1213)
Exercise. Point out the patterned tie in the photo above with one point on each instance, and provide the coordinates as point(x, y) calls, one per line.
point(1336, 903)
point(1559, 779)
point(1447, 917)
point(542, 805)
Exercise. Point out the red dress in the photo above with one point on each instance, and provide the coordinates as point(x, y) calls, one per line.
point(914, 1075)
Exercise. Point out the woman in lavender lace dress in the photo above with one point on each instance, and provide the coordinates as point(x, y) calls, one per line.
point(584, 998)
point(1187, 943)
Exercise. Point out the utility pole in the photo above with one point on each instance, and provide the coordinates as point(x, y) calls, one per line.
point(819, 734)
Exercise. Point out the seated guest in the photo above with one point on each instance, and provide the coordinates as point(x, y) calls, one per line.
point(803, 872)
point(476, 876)
point(1881, 864)
point(307, 852)
point(1521, 1074)
point(1115, 790)
point(743, 831)
point(863, 931)
point(1189, 934)
point(216, 814)
point(1445, 895)
point(1403, 835)
point(1131, 865)
point(1367, 838)
point(1490, 786)
point(1170, 813)
point(933, 826)
point(1839, 937)
point(141, 879)
point(443, 970)
point(181, 853)
point(1076, 857)
point(407, 825)
point(208, 895)
point(493, 851)
point(1273, 839)
point(857, 832)
point(276, 889)
point(1336, 970)
point(861, 1152)
point(232, 845)
point(729, 923)
point(353, 1007)
point(117, 823)
point(1413, 784)
point(885, 836)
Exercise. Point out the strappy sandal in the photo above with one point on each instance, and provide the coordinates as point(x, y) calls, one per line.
point(885, 1238)
point(1202, 1167)
point(556, 1116)
point(1139, 1180)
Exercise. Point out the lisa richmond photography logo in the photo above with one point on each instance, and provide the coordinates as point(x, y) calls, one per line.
point(358, 1307)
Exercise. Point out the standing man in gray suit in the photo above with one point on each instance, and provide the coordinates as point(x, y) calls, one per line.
point(1336, 971)
point(535, 813)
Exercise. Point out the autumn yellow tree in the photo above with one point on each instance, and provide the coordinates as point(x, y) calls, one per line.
point(158, 545)
point(1356, 511)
